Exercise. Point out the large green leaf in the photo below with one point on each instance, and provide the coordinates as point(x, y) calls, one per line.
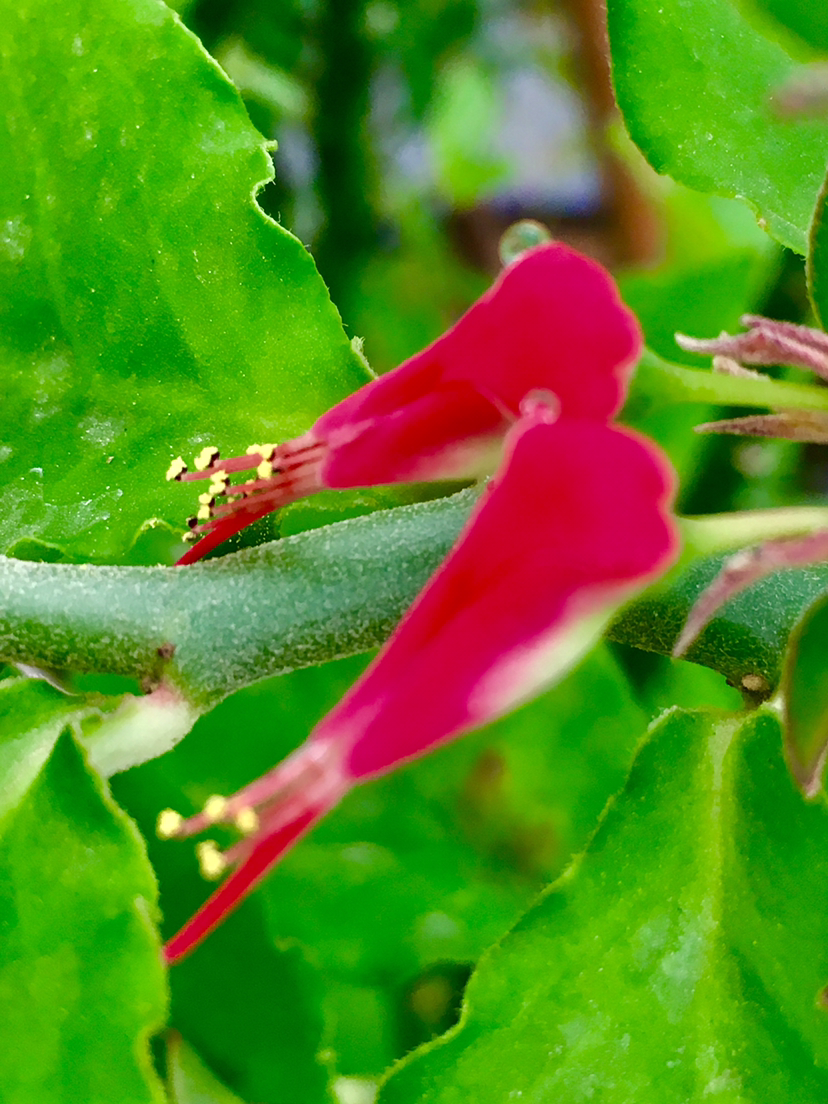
point(81, 981)
point(147, 305)
point(680, 960)
point(694, 81)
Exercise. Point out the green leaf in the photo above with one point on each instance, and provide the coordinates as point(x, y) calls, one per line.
point(680, 959)
point(817, 267)
point(747, 637)
point(694, 80)
point(803, 17)
point(190, 1081)
point(148, 306)
point(81, 980)
point(805, 694)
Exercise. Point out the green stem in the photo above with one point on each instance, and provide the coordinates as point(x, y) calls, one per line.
point(207, 630)
point(720, 532)
point(663, 383)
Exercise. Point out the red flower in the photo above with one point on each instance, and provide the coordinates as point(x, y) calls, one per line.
point(575, 520)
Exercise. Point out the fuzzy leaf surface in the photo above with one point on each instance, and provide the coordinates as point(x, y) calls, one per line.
point(337, 591)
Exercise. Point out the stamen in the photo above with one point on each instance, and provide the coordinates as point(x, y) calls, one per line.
point(168, 824)
point(265, 451)
point(211, 862)
point(188, 538)
point(264, 470)
point(206, 458)
point(204, 513)
point(219, 484)
point(247, 820)
point(176, 469)
point(215, 808)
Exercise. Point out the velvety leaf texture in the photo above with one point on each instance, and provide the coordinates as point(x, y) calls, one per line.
point(694, 80)
point(654, 969)
point(148, 306)
point(81, 980)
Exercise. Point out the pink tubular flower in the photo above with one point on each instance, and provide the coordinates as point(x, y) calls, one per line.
point(575, 521)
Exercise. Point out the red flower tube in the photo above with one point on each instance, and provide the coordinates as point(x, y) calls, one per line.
point(575, 521)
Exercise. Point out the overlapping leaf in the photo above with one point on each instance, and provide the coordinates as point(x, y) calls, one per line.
point(655, 968)
point(81, 980)
point(695, 80)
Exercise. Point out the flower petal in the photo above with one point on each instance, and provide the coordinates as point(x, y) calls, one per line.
point(553, 321)
point(235, 888)
point(576, 520)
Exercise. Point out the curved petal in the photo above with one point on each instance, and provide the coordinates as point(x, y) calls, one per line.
point(574, 523)
point(552, 322)
point(576, 520)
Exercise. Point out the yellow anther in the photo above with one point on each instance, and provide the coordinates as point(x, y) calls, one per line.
point(176, 469)
point(206, 499)
point(265, 451)
point(215, 808)
point(219, 484)
point(206, 458)
point(204, 513)
point(211, 862)
point(247, 820)
point(168, 824)
point(264, 470)
point(188, 538)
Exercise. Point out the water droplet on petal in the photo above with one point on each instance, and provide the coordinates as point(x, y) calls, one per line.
point(521, 236)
